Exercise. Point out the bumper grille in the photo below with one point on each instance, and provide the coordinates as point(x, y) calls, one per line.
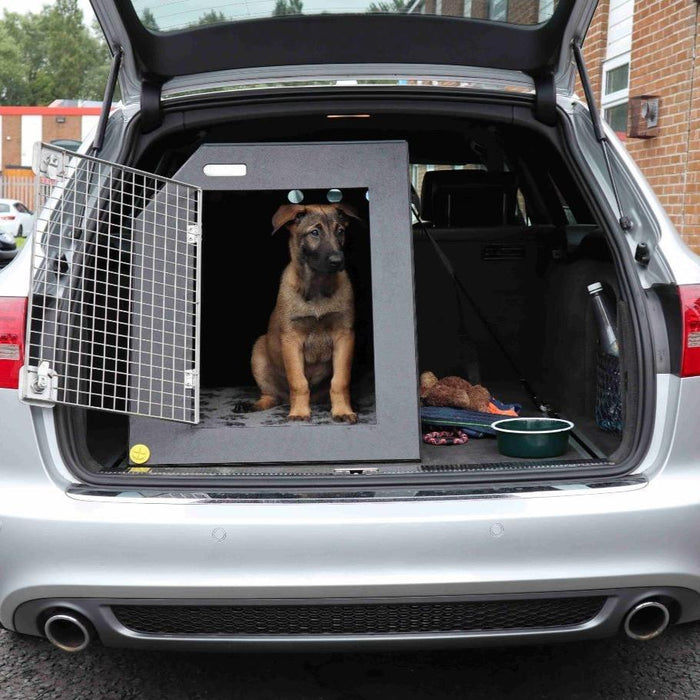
point(370, 618)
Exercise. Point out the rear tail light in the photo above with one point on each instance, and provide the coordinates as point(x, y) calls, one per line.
point(13, 318)
point(7, 218)
point(690, 312)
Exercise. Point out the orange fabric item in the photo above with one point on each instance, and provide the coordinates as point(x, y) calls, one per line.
point(492, 408)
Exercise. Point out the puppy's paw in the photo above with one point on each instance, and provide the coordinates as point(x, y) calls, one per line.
point(264, 403)
point(297, 417)
point(345, 417)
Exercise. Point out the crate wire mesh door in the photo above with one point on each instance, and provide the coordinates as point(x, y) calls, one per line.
point(114, 309)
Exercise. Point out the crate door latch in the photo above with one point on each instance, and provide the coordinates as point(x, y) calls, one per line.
point(39, 385)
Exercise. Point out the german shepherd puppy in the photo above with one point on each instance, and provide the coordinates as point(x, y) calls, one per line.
point(310, 336)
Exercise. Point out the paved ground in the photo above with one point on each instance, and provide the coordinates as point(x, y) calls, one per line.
point(667, 668)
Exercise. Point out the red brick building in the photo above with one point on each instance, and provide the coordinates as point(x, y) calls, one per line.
point(515, 11)
point(21, 127)
point(646, 48)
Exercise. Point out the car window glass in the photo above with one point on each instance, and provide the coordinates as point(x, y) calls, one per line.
point(4, 207)
point(565, 206)
point(171, 15)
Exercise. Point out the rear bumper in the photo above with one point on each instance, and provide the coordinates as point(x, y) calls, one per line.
point(86, 552)
point(603, 617)
point(65, 544)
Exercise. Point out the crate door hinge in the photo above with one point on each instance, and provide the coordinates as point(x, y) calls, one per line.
point(545, 98)
point(39, 385)
point(151, 107)
point(194, 234)
point(190, 378)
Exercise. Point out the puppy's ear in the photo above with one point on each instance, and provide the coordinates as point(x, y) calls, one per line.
point(285, 215)
point(350, 212)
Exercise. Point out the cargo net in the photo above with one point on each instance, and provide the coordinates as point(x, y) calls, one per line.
point(608, 399)
point(114, 309)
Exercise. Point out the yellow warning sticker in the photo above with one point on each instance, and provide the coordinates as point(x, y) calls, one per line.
point(139, 470)
point(139, 454)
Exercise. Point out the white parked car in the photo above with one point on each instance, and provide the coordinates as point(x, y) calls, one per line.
point(15, 218)
point(8, 246)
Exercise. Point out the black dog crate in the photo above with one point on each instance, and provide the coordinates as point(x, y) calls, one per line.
point(235, 283)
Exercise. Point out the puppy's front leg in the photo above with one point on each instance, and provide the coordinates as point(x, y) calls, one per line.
point(293, 357)
point(343, 348)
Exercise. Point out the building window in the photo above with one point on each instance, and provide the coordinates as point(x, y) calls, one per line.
point(498, 10)
point(467, 8)
point(546, 10)
point(617, 79)
point(616, 92)
point(617, 117)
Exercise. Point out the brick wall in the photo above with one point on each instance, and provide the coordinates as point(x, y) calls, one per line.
point(664, 40)
point(690, 227)
point(70, 129)
point(519, 11)
point(662, 64)
point(11, 140)
point(453, 8)
point(594, 49)
point(480, 9)
point(523, 11)
point(449, 7)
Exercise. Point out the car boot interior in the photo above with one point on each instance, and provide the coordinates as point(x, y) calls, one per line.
point(504, 208)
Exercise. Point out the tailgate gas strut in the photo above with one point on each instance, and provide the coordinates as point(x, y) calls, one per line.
point(107, 101)
point(625, 221)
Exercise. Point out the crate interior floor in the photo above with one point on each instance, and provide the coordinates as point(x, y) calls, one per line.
point(223, 407)
point(230, 407)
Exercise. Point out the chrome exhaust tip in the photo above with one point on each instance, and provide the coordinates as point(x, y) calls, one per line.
point(68, 631)
point(646, 620)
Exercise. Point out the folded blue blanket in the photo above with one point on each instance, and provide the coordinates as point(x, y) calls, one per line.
point(475, 423)
point(506, 406)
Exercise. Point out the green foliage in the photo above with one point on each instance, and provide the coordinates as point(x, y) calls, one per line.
point(211, 17)
point(288, 7)
point(50, 55)
point(388, 6)
point(148, 20)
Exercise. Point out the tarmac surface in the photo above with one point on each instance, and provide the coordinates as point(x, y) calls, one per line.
point(668, 667)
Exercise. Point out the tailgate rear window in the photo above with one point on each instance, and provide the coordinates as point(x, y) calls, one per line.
point(172, 15)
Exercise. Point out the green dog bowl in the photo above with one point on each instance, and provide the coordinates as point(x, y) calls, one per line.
point(532, 437)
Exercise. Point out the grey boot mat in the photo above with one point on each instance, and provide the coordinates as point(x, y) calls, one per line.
point(225, 407)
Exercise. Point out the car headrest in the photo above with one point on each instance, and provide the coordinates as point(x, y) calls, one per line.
point(461, 198)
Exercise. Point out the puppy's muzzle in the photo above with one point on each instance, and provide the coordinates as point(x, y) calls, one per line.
point(335, 262)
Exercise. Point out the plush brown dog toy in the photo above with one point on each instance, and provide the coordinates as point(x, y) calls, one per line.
point(454, 392)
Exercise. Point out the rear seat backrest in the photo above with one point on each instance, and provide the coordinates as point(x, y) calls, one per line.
point(459, 198)
point(501, 262)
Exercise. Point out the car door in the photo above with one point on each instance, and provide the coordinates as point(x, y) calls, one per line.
point(25, 219)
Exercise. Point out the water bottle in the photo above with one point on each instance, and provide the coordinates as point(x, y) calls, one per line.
point(608, 339)
point(608, 398)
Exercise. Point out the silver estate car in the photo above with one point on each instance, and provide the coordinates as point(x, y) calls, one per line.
point(144, 504)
